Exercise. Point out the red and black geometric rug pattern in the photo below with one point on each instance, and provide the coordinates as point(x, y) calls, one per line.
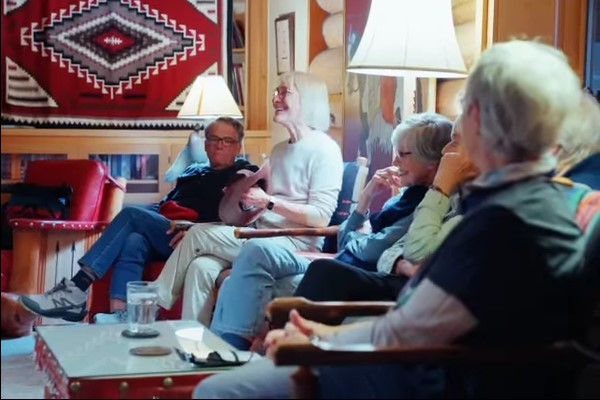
point(109, 63)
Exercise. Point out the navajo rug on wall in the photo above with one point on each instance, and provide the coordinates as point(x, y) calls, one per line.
point(106, 63)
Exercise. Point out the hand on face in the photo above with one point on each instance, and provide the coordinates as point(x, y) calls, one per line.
point(455, 168)
point(255, 197)
point(383, 179)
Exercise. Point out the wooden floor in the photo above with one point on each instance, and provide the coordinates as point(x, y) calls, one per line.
point(20, 378)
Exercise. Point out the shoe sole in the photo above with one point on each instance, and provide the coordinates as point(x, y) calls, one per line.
point(60, 313)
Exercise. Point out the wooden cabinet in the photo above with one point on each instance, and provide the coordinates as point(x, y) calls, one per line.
point(561, 23)
point(142, 157)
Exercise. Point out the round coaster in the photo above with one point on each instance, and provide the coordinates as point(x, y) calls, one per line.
point(145, 334)
point(149, 351)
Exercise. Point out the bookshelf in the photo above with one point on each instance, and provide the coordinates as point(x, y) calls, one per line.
point(250, 61)
point(142, 157)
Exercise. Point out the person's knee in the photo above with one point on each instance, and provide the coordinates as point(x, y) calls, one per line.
point(252, 252)
point(132, 213)
point(317, 279)
point(320, 271)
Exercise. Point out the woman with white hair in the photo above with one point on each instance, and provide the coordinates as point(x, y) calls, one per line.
point(578, 147)
point(306, 177)
point(518, 98)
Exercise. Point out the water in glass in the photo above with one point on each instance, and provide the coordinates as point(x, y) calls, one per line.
point(142, 305)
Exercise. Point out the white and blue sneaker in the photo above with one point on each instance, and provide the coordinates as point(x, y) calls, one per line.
point(118, 317)
point(65, 301)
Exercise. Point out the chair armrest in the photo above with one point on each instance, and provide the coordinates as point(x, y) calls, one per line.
point(306, 354)
point(248, 233)
point(54, 224)
point(278, 309)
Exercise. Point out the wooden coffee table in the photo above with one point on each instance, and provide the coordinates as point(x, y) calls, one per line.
point(93, 361)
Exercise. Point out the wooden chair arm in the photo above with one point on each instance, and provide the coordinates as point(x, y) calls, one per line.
point(278, 309)
point(306, 356)
point(249, 233)
point(563, 353)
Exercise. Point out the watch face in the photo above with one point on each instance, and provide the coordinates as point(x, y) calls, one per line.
point(270, 205)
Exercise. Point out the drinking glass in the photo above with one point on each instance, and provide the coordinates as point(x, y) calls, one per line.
point(142, 306)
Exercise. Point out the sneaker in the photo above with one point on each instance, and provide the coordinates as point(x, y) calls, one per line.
point(118, 317)
point(75, 314)
point(65, 300)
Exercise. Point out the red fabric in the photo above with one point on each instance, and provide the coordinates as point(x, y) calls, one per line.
point(97, 62)
point(6, 265)
point(172, 210)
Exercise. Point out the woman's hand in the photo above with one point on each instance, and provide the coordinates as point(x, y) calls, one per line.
point(255, 197)
point(297, 330)
point(405, 267)
point(382, 179)
point(454, 168)
point(178, 228)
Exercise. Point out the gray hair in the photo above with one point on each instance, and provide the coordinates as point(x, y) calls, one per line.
point(426, 134)
point(526, 92)
point(234, 123)
point(581, 136)
point(314, 98)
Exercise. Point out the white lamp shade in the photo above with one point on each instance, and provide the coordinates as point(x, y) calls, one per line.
point(412, 38)
point(209, 98)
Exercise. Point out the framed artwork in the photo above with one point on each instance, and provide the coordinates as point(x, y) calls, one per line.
point(284, 42)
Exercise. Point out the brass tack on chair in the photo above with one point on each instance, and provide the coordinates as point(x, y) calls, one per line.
point(75, 386)
point(168, 382)
point(123, 386)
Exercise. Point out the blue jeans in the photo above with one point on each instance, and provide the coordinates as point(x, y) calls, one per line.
point(263, 380)
point(263, 266)
point(134, 237)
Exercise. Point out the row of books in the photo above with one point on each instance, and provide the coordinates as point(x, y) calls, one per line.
point(130, 166)
point(14, 165)
point(238, 83)
point(237, 35)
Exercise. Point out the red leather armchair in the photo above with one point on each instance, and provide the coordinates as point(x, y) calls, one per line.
point(46, 250)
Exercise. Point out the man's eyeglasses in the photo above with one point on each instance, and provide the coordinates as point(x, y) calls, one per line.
point(227, 141)
point(403, 154)
point(281, 92)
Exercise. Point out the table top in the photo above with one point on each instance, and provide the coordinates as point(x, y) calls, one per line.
point(99, 350)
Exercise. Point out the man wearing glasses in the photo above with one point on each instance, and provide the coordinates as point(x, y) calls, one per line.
point(139, 235)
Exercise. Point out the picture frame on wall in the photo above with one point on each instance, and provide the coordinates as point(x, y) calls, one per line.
point(284, 42)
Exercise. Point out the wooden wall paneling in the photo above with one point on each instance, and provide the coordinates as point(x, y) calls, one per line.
point(572, 31)
point(257, 98)
point(524, 19)
point(561, 23)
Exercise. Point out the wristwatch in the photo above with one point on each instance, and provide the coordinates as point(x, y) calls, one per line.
point(270, 204)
